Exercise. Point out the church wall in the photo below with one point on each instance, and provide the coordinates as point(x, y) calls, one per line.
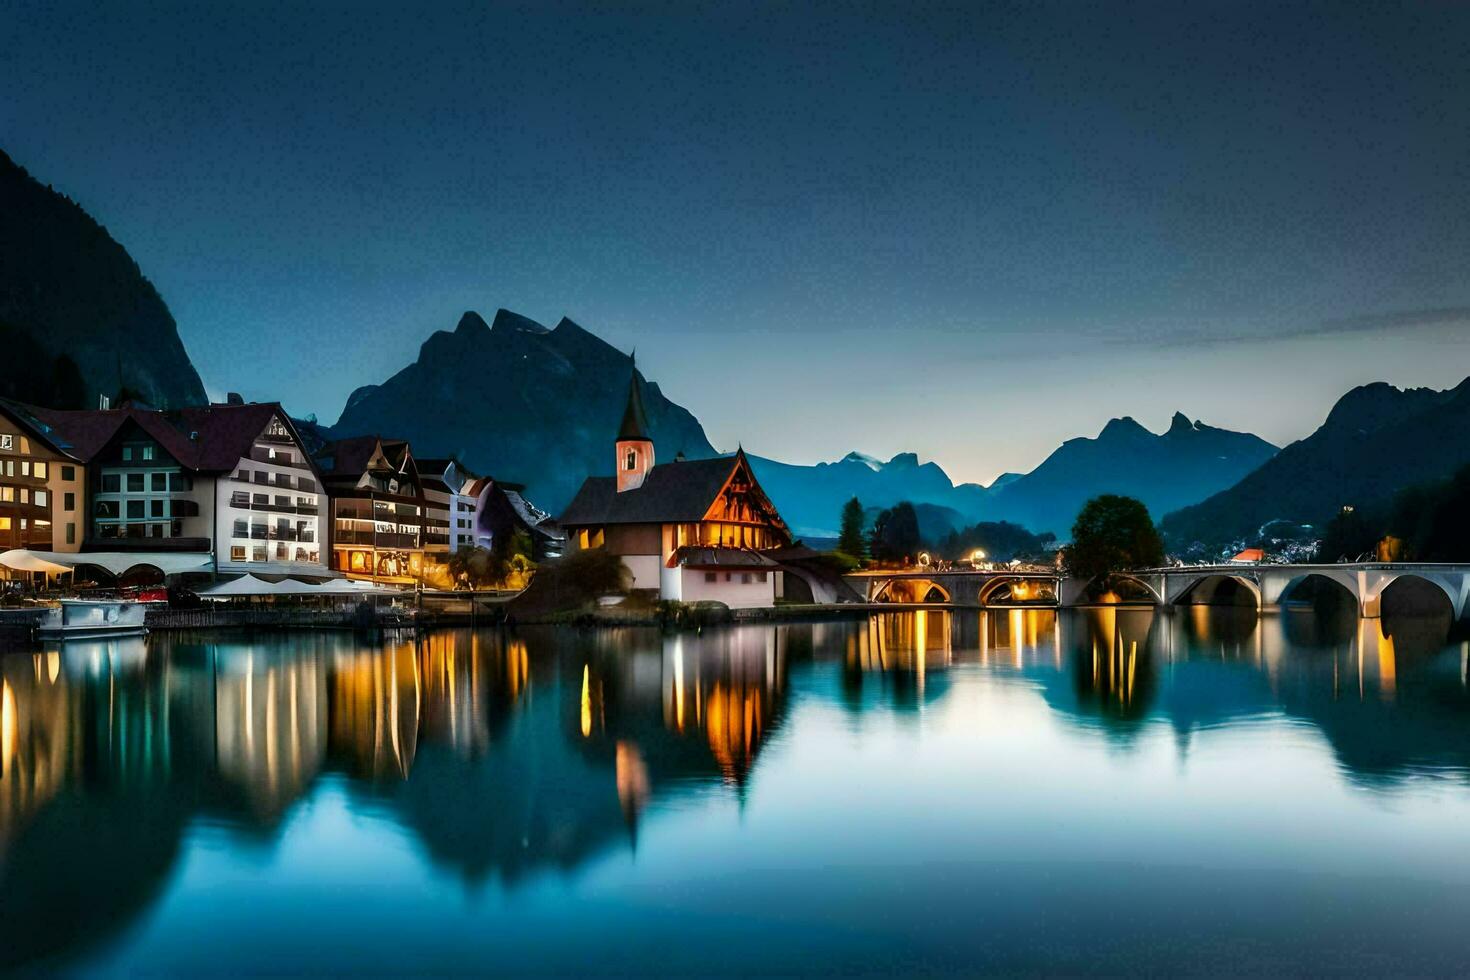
point(633, 539)
point(731, 588)
point(646, 571)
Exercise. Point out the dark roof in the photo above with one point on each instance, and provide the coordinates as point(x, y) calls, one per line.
point(350, 457)
point(635, 421)
point(35, 428)
point(210, 438)
point(671, 493)
point(699, 556)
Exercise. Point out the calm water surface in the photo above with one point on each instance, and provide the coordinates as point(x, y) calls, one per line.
point(1017, 791)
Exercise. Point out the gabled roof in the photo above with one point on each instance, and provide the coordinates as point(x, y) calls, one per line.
point(209, 438)
point(675, 492)
point(672, 493)
point(24, 416)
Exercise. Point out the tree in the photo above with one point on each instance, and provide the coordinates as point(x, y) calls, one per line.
point(895, 533)
point(850, 537)
point(1113, 534)
point(1348, 536)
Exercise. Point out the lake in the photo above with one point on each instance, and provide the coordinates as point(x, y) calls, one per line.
point(1200, 790)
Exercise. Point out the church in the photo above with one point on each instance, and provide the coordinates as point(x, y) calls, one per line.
point(693, 530)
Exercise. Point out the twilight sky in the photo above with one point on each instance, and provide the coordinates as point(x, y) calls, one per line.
point(969, 232)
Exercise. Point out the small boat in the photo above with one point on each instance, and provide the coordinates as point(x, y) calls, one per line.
point(77, 618)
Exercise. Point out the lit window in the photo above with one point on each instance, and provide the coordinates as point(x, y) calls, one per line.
point(40, 471)
point(40, 498)
point(632, 460)
point(237, 552)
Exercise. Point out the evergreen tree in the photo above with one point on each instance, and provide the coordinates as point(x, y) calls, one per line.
point(850, 538)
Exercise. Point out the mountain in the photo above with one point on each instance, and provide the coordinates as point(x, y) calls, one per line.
point(1376, 441)
point(521, 402)
point(77, 317)
point(1186, 464)
point(810, 498)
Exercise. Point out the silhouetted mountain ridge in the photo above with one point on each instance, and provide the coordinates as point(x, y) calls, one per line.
point(91, 323)
point(1186, 463)
point(517, 400)
point(1376, 441)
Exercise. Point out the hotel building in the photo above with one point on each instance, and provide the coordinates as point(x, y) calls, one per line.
point(230, 483)
point(378, 509)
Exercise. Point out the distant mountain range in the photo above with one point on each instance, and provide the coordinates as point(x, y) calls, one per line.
point(520, 402)
point(1376, 441)
point(77, 317)
point(1187, 463)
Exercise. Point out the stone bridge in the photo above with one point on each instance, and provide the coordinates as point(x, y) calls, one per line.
point(1270, 585)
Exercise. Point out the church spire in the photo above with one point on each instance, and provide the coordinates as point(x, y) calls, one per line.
point(634, 447)
point(635, 422)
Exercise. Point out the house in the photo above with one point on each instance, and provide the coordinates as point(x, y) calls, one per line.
point(691, 530)
point(449, 516)
point(502, 509)
point(224, 488)
point(378, 509)
point(42, 485)
point(1250, 556)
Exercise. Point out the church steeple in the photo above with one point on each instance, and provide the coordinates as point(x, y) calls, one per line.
point(634, 447)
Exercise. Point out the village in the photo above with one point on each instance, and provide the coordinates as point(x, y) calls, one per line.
point(236, 505)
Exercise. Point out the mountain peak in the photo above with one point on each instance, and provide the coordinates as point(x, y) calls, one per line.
point(471, 322)
point(508, 322)
point(863, 458)
point(1124, 428)
point(904, 461)
point(1180, 424)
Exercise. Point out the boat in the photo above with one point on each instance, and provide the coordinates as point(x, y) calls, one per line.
point(77, 618)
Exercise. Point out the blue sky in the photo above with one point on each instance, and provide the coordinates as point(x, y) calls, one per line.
point(967, 231)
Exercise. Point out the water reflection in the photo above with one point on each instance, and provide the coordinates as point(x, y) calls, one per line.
point(503, 754)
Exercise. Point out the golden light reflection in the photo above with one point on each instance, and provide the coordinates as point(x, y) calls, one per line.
point(586, 700)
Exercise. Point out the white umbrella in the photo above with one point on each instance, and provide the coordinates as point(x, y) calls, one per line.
point(245, 585)
point(29, 561)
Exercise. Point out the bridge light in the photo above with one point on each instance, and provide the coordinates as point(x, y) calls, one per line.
point(978, 555)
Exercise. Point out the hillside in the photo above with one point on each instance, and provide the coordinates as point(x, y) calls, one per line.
point(76, 314)
point(1376, 441)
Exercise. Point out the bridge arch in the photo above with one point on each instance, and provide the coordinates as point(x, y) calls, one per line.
point(1017, 591)
point(1221, 589)
point(1321, 588)
point(912, 591)
point(1413, 594)
point(1121, 587)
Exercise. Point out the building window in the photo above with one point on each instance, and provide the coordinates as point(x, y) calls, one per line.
point(40, 498)
point(68, 473)
point(159, 482)
point(631, 460)
point(25, 467)
point(40, 471)
point(242, 529)
point(69, 501)
point(135, 509)
point(237, 552)
point(111, 483)
point(155, 508)
point(710, 576)
point(71, 534)
point(135, 483)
